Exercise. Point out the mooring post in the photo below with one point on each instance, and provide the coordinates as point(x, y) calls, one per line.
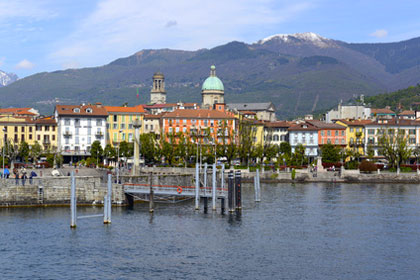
point(206, 206)
point(205, 178)
point(257, 186)
point(73, 202)
point(222, 206)
point(108, 202)
point(151, 204)
point(213, 190)
point(230, 191)
point(238, 189)
point(197, 187)
point(222, 177)
point(105, 209)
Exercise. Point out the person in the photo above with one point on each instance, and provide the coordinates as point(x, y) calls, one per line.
point(17, 178)
point(31, 176)
point(6, 172)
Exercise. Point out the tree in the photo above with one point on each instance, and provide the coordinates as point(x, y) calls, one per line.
point(298, 157)
point(96, 151)
point(24, 151)
point(126, 149)
point(246, 140)
point(109, 153)
point(270, 151)
point(370, 152)
point(148, 147)
point(36, 151)
point(330, 153)
point(285, 148)
point(394, 147)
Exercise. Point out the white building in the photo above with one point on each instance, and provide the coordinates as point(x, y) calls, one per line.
point(78, 127)
point(276, 132)
point(348, 112)
point(304, 134)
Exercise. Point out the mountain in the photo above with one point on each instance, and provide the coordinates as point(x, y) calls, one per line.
point(300, 73)
point(408, 98)
point(7, 78)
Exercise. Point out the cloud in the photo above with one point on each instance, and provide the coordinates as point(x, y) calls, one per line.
point(117, 28)
point(171, 23)
point(380, 33)
point(25, 64)
point(34, 10)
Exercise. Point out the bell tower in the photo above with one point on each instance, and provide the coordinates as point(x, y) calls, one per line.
point(158, 93)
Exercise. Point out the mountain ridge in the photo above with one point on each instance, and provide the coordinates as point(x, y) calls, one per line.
point(297, 75)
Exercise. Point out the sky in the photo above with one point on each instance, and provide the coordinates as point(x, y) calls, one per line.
point(48, 35)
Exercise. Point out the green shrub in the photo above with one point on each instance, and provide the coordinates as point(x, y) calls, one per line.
point(351, 165)
point(367, 166)
point(402, 169)
point(293, 174)
point(274, 175)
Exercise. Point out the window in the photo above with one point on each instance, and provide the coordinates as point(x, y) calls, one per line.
point(176, 129)
point(329, 141)
point(151, 127)
point(212, 123)
point(115, 118)
point(89, 140)
point(342, 133)
point(76, 110)
point(358, 129)
point(371, 140)
point(67, 141)
point(22, 138)
point(351, 129)
point(371, 131)
point(123, 126)
point(184, 121)
point(22, 129)
point(115, 137)
point(53, 128)
point(205, 123)
point(184, 129)
point(351, 140)
point(30, 136)
point(322, 133)
point(89, 130)
point(276, 138)
point(89, 110)
point(76, 141)
point(77, 131)
point(47, 128)
point(177, 121)
point(66, 121)
point(89, 122)
point(329, 132)
point(115, 126)
point(336, 133)
point(170, 130)
point(53, 137)
point(130, 126)
point(146, 126)
point(412, 140)
point(76, 122)
point(342, 141)
point(98, 122)
point(30, 129)
point(39, 138)
point(123, 136)
point(412, 132)
point(130, 137)
point(16, 129)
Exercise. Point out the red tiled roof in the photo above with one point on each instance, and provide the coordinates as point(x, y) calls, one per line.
point(149, 116)
point(46, 120)
point(17, 111)
point(407, 113)
point(301, 126)
point(68, 110)
point(355, 122)
point(394, 122)
point(157, 106)
point(324, 125)
point(121, 109)
point(248, 113)
point(279, 124)
point(382, 111)
point(198, 114)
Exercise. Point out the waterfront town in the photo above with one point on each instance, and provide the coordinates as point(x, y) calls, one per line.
point(215, 130)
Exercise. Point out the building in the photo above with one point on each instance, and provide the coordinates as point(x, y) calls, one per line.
point(384, 113)
point(350, 111)
point(276, 132)
point(391, 127)
point(158, 93)
point(120, 123)
point(152, 124)
point(169, 107)
point(46, 133)
point(407, 115)
point(355, 134)
point(264, 111)
point(212, 126)
point(305, 134)
point(212, 90)
point(15, 130)
point(330, 133)
point(19, 112)
point(78, 127)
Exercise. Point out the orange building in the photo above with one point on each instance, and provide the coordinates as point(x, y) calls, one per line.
point(213, 126)
point(330, 133)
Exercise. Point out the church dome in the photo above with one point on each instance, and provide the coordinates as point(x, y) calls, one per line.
point(212, 83)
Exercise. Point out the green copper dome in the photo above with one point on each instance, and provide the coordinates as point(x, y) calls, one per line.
point(212, 82)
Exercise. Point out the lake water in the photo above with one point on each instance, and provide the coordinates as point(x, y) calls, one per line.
point(308, 231)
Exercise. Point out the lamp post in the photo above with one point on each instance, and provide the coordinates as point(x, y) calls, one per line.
point(118, 157)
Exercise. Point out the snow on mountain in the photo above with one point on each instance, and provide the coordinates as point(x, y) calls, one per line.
point(309, 37)
point(7, 78)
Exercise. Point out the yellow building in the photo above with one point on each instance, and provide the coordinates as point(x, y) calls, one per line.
point(16, 130)
point(46, 133)
point(120, 123)
point(355, 131)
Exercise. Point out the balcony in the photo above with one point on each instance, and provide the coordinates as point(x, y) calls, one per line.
point(99, 134)
point(67, 134)
point(46, 141)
